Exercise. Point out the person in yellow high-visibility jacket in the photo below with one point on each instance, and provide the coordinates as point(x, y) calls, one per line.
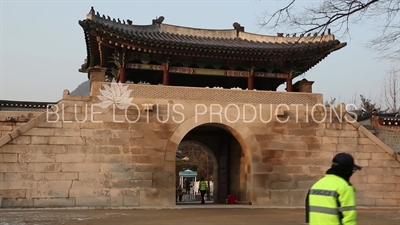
point(202, 189)
point(331, 200)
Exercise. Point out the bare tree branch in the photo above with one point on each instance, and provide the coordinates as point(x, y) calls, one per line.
point(197, 155)
point(339, 14)
point(391, 89)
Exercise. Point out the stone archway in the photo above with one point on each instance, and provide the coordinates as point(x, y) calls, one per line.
point(238, 130)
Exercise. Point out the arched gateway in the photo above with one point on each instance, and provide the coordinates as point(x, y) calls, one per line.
point(232, 144)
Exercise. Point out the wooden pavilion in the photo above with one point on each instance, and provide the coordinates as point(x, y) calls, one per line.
point(180, 56)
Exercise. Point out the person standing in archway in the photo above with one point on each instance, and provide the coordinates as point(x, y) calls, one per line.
point(331, 200)
point(187, 186)
point(202, 189)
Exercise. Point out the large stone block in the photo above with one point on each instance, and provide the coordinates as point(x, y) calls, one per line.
point(46, 149)
point(23, 176)
point(341, 133)
point(40, 140)
point(365, 141)
point(94, 141)
point(81, 167)
point(149, 168)
point(380, 187)
point(16, 203)
point(47, 193)
point(61, 176)
point(4, 158)
point(71, 158)
point(41, 132)
point(44, 167)
point(300, 161)
point(157, 134)
point(131, 197)
point(386, 202)
point(18, 184)
point(13, 167)
point(297, 197)
point(279, 197)
point(162, 180)
point(157, 197)
point(330, 140)
point(12, 193)
point(117, 158)
point(282, 185)
point(66, 141)
point(37, 158)
point(91, 184)
point(94, 158)
point(273, 145)
point(117, 167)
point(80, 193)
point(261, 196)
point(14, 149)
point(302, 132)
point(260, 168)
point(296, 153)
point(287, 169)
point(117, 197)
point(321, 147)
point(148, 159)
point(54, 202)
point(391, 179)
point(64, 132)
point(53, 185)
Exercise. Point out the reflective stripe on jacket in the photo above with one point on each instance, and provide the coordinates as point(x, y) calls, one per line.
point(332, 202)
point(202, 186)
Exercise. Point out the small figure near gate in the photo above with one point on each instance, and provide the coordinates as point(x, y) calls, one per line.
point(179, 193)
point(202, 189)
point(187, 186)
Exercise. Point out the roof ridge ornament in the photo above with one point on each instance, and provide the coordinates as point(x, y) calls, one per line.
point(158, 20)
point(92, 11)
point(237, 27)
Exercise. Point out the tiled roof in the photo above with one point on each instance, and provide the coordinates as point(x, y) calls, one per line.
point(7, 105)
point(162, 37)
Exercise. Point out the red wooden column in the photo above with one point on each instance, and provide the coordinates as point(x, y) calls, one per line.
point(122, 74)
point(166, 74)
point(250, 80)
point(289, 86)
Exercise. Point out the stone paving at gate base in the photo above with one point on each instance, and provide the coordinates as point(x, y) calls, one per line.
point(181, 216)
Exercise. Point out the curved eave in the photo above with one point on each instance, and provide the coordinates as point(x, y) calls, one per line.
point(92, 51)
point(158, 41)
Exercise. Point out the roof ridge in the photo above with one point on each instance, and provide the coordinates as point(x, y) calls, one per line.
point(236, 32)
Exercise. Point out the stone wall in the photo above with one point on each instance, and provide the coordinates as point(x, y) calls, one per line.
point(300, 155)
point(105, 160)
point(388, 134)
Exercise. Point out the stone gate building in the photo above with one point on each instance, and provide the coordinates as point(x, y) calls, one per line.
point(117, 147)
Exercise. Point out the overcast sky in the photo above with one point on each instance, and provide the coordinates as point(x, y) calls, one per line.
point(42, 45)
